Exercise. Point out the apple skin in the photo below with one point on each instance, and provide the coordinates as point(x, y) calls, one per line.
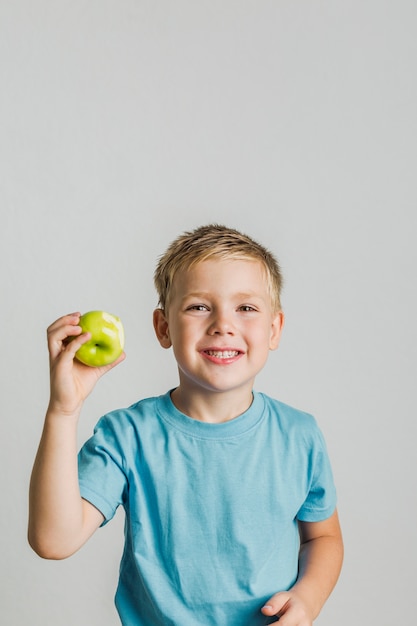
point(107, 339)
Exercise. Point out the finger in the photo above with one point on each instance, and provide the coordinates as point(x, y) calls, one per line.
point(60, 330)
point(71, 318)
point(277, 605)
point(72, 347)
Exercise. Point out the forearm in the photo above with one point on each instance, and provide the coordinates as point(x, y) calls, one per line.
point(320, 563)
point(55, 505)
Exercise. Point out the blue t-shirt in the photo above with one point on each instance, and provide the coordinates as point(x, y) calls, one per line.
point(211, 509)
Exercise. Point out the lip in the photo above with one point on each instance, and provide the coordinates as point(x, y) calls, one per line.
point(222, 356)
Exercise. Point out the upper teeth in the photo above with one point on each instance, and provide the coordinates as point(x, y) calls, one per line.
point(223, 354)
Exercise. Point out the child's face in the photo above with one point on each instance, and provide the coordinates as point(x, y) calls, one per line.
point(220, 324)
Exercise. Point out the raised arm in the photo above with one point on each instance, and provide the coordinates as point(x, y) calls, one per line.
point(60, 521)
point(320, 562)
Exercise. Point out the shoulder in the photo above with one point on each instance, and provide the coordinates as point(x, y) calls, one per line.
point(292, 423)
point(122, 433)
point(136, 416)
point(287, 414)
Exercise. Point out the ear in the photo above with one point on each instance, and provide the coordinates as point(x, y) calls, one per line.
point(160, 324)
point(276, 330)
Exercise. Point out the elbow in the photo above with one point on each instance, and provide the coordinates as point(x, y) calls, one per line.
point(46, 549)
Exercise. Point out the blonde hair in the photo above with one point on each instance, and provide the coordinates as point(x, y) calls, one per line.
point(214, 241)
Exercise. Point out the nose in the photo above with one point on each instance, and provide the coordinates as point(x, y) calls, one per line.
point(221, 324)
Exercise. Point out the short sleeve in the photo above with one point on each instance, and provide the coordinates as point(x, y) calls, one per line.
point(101, 475)
point(320, 502)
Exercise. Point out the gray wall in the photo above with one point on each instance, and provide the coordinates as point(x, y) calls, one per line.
point(124, 123)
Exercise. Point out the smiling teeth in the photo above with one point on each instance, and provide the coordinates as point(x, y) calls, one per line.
point(227, 354)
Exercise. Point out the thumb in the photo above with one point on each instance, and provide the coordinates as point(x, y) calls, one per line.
point(277, 604)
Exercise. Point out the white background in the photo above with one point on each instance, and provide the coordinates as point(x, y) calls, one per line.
point(123, 123)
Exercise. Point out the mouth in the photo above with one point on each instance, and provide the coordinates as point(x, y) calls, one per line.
point(222, 354)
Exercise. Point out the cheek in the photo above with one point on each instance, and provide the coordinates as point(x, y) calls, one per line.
point(181, 336)
point(266, 338)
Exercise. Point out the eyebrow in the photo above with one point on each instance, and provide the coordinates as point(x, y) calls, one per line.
point(239, 296)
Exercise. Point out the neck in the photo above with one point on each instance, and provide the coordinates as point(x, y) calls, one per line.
point(210, 407)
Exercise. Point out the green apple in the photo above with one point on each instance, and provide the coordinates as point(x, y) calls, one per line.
point(107, 339)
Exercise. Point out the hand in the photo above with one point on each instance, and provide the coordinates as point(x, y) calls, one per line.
point(289, 610)
point(71, 381)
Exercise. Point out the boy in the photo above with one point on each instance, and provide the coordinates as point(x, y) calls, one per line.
point(228, 494)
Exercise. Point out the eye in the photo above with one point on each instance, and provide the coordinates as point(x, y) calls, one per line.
point(246, 308)
point(197, 307)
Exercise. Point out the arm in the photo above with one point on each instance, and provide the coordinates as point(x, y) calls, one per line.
point(320, 562)
point(60, 521)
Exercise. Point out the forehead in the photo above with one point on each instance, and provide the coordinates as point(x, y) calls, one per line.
point(232, 275)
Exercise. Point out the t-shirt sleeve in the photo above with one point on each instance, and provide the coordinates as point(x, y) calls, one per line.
point(101, 474)
point(320, 502)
